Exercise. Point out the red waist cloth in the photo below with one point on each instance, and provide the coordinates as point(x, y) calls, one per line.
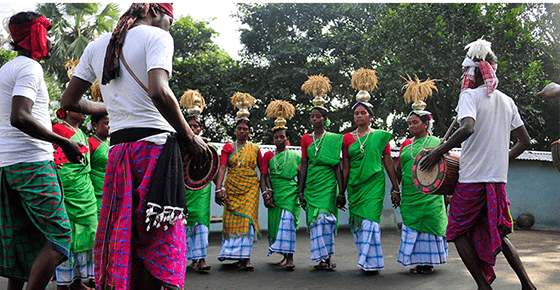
point(481, 210)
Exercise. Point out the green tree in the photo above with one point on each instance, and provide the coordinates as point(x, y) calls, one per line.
point(74, 26)
point(201, 65)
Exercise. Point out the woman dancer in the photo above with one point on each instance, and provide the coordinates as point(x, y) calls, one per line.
point(280, 188)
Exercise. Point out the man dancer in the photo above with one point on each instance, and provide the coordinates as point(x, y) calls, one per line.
point(479, 217)
point(145, 115)
point(35, 229)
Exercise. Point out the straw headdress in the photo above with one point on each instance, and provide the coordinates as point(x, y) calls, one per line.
point(317, 86)
point(242, 101)
point(417, 92)
point(364, 80)
point(193, 101)
point(282, 110)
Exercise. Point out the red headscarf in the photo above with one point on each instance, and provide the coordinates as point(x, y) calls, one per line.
point(32, 36)
point(111, 66)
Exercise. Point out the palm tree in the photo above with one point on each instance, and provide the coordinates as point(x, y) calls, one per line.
point(74, 26)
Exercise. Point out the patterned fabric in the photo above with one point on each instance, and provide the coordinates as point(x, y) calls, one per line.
point(31, 212)
point(322, 237)
point(122, 242)
point(368, 241)
point(481, 210)
point(99, 157)
point(237, 248)
point(242, 186)
point(421, 248)
point(111, 66)
point(32, 36)
point(488, 74)
point(78, 266)
point(197, 241)
point(285, 242)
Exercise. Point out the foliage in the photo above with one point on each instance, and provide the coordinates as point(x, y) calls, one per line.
point(6, 55)
point(74, 26)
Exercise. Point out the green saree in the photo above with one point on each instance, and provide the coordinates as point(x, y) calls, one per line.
point(421, 212)
point(283, 170)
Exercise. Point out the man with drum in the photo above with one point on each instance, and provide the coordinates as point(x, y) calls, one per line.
point(479, 217)
point(145, 166)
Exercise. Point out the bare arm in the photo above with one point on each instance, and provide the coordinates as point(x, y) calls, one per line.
point(340, 199)
point(72, 98)
point(523, 142)
point(302, 178)
point(166, 103)
point(220, 197)
point(464, 132)
point(398, 172)
point(267, 195)
point(21, 118)
point(550, 91)
point(395, 190)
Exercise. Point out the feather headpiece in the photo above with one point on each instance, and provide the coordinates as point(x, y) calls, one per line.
point(417, 92)
point(193, 101)
point(317, 86)
point(479, 49)
point(282, 110)
point(364, 80)
point(242, 101)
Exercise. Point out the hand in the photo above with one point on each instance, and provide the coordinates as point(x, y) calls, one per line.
point(396, 198)
point(550, 91)
point(302, 201)
point(71, 150)
point(431, 159)
point(221, 197)
point(268, 199)
point(341, 202)
point(198, 150)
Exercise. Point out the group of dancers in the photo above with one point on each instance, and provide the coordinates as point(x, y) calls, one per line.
point(139, 236)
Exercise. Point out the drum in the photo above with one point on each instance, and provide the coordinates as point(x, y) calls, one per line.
point(556, 154)
point(441, 179)
point(198, 178)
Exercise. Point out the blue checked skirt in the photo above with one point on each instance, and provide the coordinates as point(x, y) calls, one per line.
point(368, 242)
point(82, 263)
point(197, 241)
point(237, 248)
point(322, 237)
point(421, 248)
point(286, 238)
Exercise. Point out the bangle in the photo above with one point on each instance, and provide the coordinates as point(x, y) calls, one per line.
point(395, 191)
point(220, 190)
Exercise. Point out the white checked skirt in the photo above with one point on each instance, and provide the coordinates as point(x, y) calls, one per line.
point(197, 241)
point(322, 237)
point(286, 237)
point(421, 248)
point(368, 242)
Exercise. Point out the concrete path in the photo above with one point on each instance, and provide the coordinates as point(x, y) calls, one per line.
point(539, 251)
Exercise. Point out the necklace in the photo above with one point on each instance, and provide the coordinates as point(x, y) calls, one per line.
point(69, 126)
point(318, 143)
point(99, 140)
point(360, 141)
point(421, 148)
point(239, 160)
point(276, 162)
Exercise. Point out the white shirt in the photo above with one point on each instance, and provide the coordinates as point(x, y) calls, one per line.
point(129, 106)
point(485, 154)
point(23, 76)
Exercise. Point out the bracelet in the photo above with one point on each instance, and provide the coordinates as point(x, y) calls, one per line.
point(395, 191)
point(220, 190)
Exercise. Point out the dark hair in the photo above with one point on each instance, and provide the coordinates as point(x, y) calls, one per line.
point(424, 118)
point(21, 18)
point(322, 111)
point(97, 117)
point(278, 130)
point(194, 118)
point(368, 109)
point(246, 121)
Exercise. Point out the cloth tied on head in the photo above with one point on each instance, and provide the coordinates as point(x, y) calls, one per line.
point(366, 104)
point(32, 36)
point(111, 65)
point(488, 74)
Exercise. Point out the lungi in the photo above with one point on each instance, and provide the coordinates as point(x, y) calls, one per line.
point(368, 242)
point(322, 237)
point(286, 238)
point(421, 248)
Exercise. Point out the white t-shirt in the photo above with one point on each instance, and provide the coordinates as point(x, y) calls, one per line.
point(129, 106)
point(485, 154)
point(23, 76)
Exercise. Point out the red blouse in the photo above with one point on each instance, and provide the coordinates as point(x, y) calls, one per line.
point(349, 140)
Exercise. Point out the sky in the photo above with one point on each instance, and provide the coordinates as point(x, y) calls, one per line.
point(223, 23)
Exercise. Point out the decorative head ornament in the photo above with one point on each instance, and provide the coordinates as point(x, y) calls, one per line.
point(417, 92)
point(282, 110)
point(317, 86)
point(32, 36)
point(243, 102)
point(364, 80)
point(478, 54)
point(193, 101)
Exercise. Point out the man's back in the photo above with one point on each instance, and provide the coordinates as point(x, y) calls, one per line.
point(484, 156)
